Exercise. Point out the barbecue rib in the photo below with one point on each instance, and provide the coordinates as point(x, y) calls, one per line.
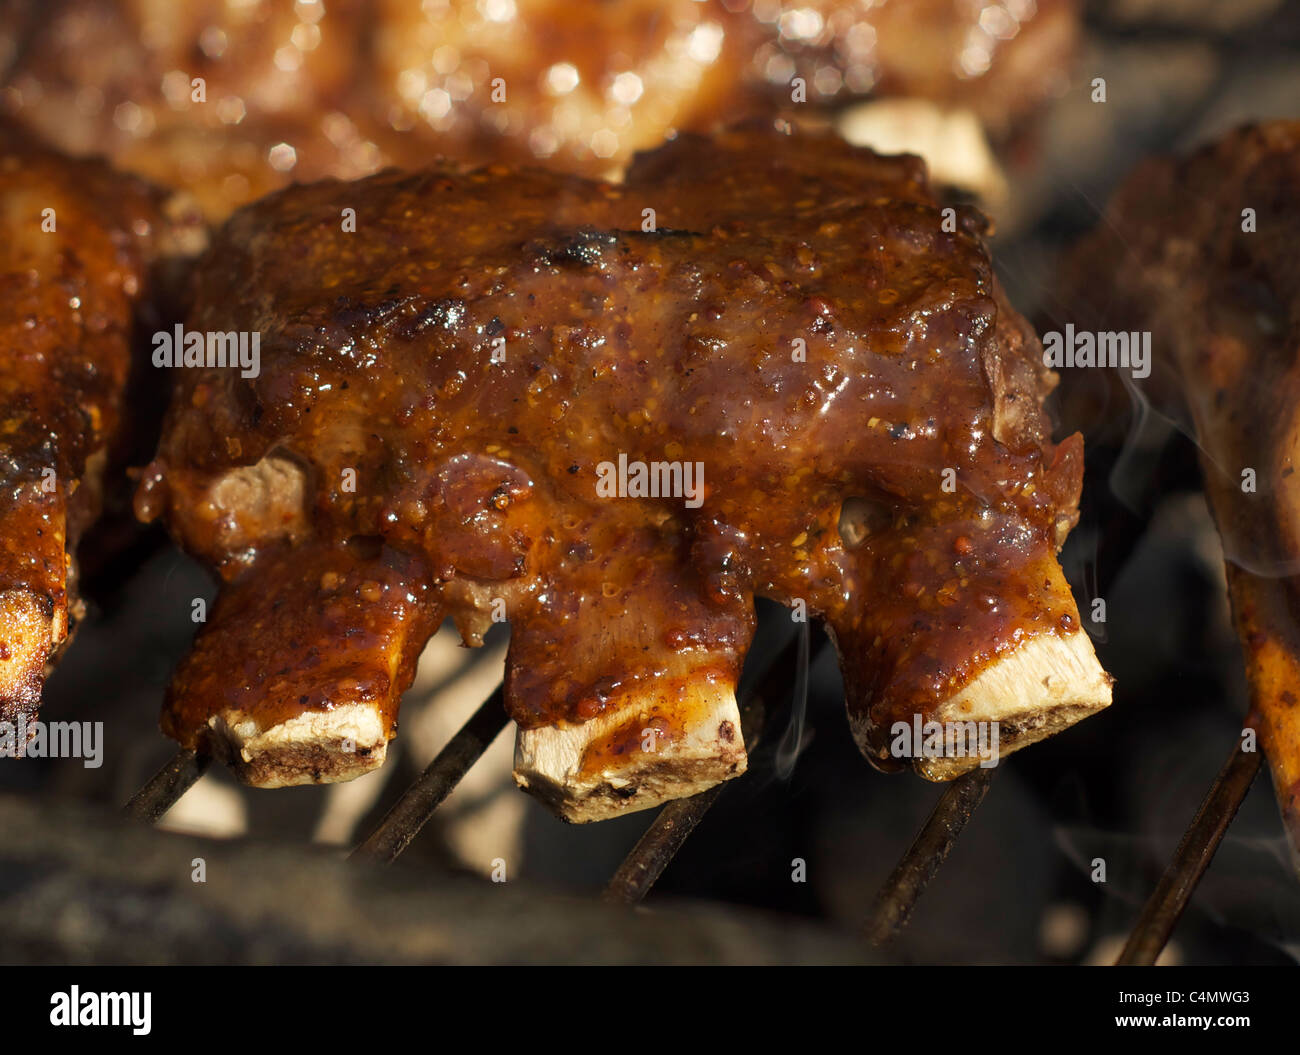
point(1223, 307)
point(227, 101)
point(301, 89)
point(459, 403)
point(78, 241)
point(587, 85)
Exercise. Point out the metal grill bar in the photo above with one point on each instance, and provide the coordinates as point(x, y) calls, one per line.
point(1191, 859)
point(673, 825)
point(412, 811)
point(167, 786)
point(897, 898)
point(655, 850)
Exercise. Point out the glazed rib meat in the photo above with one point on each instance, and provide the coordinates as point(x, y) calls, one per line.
point(1222, 304)
point(612, 414)
point(74, 269)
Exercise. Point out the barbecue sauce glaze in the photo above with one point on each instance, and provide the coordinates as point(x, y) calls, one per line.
point(801, 321)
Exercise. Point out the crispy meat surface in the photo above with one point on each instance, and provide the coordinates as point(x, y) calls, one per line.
point(301, 89)
point(1219, 288)
point(837, 406)
point(74, 268)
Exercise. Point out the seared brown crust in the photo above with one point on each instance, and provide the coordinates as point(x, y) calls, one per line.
point(74, 261)
point(799, 323)
point(1223, 305)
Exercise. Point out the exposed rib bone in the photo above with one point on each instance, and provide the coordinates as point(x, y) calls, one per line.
point(1043, 687)
point(298, 678)
point(662, 740)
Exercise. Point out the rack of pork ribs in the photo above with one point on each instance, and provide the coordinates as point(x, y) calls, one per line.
point(440, 387)
point(438, 391)
point(1201, 253)
point(83, 250)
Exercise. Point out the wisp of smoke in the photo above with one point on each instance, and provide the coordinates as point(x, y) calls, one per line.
point(793, 740)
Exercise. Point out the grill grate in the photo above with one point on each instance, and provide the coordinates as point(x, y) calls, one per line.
point(167, 786)
point(676, 821)
point(896, 899)
point(1191, 859)
point(656, 849)
point(412, 811)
